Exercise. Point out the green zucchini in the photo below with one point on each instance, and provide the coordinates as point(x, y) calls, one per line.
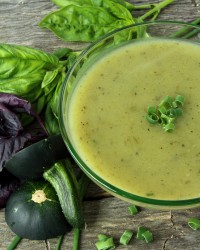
point(32, 161)
point(62, 178)
point(34, 212)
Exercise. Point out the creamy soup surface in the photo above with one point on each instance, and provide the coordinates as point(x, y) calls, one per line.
point(108, 126)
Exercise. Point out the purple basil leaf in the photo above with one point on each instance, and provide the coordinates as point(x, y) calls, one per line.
point(10, 146)
point(10, 124)
point(13, 136)
point(8, 184)
point(18, 104)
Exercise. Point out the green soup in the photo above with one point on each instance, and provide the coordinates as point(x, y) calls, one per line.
point(109, 130)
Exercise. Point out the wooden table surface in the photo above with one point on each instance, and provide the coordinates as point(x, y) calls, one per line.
point(103, 213)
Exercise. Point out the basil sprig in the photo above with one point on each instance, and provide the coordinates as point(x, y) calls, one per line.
point(89, 20)
point(37, 77)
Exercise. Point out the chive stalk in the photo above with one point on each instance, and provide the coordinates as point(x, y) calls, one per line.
point(83, 183)
point(16, 240)
point(59, 242)
point(185, 32)
point(77, 233)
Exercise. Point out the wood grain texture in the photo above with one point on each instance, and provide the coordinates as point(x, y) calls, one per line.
point(103, 213)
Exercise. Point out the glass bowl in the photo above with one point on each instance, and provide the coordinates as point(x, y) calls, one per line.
point(149, 171)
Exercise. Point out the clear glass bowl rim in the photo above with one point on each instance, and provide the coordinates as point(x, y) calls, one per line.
point(97, 179)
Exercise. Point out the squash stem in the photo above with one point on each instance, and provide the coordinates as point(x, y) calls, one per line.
point(16, 240)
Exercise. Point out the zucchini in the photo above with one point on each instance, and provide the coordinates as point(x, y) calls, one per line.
point(32, 161)
point(34, 212)
point(62, 178)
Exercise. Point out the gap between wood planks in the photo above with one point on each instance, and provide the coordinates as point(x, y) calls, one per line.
point(194, 2)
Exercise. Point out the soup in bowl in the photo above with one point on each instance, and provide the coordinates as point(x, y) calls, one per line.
point(130, 114)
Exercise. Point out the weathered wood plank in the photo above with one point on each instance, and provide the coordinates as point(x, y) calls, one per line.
point(110, 216)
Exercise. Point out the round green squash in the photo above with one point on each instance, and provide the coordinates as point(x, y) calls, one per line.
point(32, 161)
point(34, 212)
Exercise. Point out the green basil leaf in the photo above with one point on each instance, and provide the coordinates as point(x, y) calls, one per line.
point(51, 123)
point(47, 83)
point(54, 103)
point(62, 53)
point(23, 54)
point(63, 3)
point(22, 71)
point(75, 23)
point(27, 86)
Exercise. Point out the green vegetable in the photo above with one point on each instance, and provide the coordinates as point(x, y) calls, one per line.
point(104, 242)
point(34, 212)
point(133, 209)
point(59, 242)
point(140, 232)
point(32, 161)
point(62, 178)
point(166, 112)
point(126, 237)
point(35, 76)
point(186, 31)
point(148, 236)
point(144, 234)
point(87, 21)
point(194, 223)
point(22, 70)
point(77, 232)
point(16, 240)
point(52, 86)
point(63, 3)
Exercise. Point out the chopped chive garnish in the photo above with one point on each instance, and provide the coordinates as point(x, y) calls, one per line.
point(105, 242)
point(126, 237)
point(144, 234)
point(133, 209)
point(166, 112)
point(148, 236)
point(140, 232)
point(102, 237)
point(194, 223)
